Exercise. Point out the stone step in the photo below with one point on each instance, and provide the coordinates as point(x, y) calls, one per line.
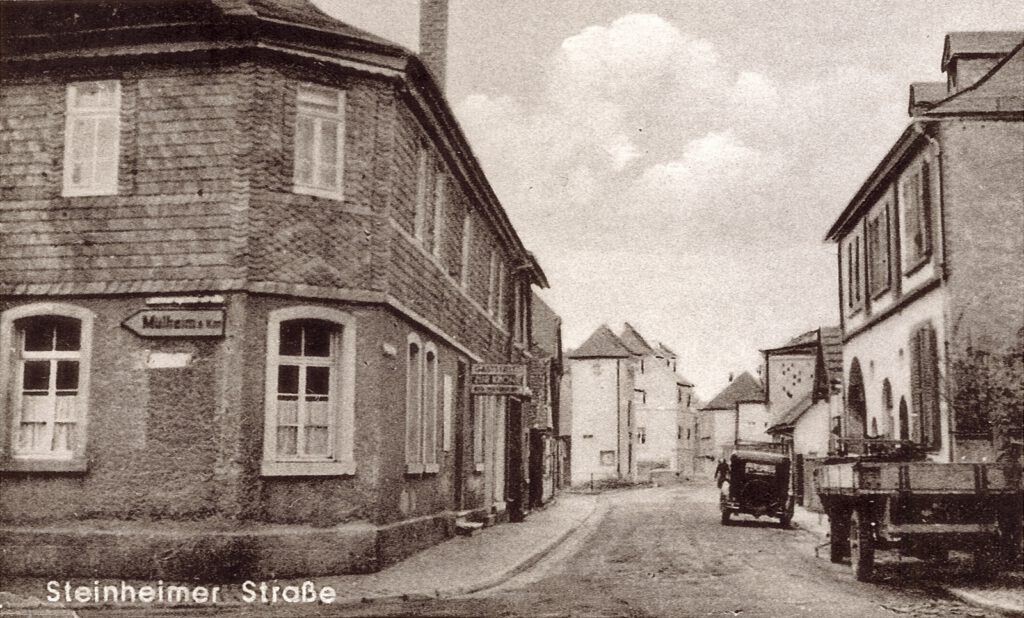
point(465, 527)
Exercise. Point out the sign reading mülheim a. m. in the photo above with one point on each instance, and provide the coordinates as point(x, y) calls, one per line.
point(490, 379)
point(177, 323)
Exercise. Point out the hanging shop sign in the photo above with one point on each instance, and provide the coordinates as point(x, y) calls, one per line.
point(177, 323)
point(491, 379)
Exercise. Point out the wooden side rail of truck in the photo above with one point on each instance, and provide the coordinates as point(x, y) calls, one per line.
point(922, 509)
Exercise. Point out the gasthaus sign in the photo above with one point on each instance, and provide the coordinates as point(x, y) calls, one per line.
point(177, 323)
point(491, 379)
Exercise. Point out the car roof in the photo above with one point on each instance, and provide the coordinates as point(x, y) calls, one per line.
point(761, 457)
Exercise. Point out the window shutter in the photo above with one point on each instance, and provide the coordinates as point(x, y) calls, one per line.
point(925, 213)
point(915, 386)
point(911, 220)
point(929, 387)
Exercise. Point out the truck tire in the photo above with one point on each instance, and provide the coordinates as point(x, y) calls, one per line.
point(862, 549)
point(725, 517)
point(838, 535)
point(785, 520)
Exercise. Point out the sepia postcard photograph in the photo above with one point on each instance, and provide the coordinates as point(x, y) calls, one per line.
point(511, 308)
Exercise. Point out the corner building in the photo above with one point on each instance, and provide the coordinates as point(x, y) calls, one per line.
point(246, 261)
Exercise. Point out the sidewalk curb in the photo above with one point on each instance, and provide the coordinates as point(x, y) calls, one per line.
point(485, 584)
point(983, 603)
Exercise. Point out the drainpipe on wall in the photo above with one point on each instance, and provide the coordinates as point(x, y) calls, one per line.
point(943, 269)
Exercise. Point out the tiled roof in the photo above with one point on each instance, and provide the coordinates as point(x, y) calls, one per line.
point(924, 95)
point(305, 13)
point(601, 344)
point(832, 350)
point(667, 350)
point(979, 44)
point(635, 342)
point(745, 388)
point(790, 416)
point(546, 327)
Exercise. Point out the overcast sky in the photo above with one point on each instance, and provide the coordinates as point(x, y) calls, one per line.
point(676, 164)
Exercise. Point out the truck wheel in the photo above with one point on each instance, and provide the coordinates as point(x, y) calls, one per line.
point(785, 520)
point(725, 517)
point(986, 559)
point(862, 551)
point(838, 535)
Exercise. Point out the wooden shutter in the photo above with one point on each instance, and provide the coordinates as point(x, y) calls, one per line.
point(915, 386)
point(929, 387)
point(925, 213)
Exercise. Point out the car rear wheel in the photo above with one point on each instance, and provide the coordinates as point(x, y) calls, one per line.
point(862, 550)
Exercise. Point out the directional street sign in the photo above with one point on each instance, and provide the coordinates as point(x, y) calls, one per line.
point(176, 323)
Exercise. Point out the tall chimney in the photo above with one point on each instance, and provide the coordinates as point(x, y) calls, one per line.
point(434, 37)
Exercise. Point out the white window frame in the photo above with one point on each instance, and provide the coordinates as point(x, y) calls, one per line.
point(492, 305)
point(422, 407)
point(420, 222)
point(447, 410)
point(97, 114)
point(481, 403)
point(340, 461)
point(10, 369)
point(319, 117)
point(467, 248)
point(501, 310)
point(440, 189)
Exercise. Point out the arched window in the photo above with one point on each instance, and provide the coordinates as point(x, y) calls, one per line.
point(421, 407)
point(887, 420)
point(904, 431)
point(856, 405)
point(45, 350)
point(310, 392)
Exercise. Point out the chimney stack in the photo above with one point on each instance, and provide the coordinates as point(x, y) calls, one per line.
point(434, 37)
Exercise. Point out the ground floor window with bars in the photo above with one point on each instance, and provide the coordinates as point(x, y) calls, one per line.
point(310, 380)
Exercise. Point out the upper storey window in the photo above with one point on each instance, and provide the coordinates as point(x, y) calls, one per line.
point(917, 216)
point(319, 141)
point(92, 138)
point(878, 251)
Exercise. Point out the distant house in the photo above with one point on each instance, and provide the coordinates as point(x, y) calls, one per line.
point(799, 379)
point(738, 412)
point(930, 248)
point(660, 396)
point(601, 383)
point(803, 381)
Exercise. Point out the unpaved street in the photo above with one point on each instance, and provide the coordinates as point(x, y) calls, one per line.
point(663, 552)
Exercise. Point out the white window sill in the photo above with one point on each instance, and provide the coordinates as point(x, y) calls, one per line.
point(324, 193)
point(44, 465)
point(420, 468)
point(307, 468)
point(479, 467)
point(88, 191)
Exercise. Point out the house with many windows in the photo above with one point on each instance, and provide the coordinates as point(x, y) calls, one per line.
point(930, 253)
point(628, 406)
point(247, 261)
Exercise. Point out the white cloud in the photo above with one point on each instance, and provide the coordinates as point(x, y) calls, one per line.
point(658, 183)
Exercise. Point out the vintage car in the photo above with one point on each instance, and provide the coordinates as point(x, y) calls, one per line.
point(758, 484)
